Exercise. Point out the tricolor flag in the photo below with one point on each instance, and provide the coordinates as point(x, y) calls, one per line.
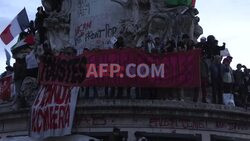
point(18, 24)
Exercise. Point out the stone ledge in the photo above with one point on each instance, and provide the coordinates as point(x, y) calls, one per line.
point(162, 104)
point(162, 108)
point(145, 107)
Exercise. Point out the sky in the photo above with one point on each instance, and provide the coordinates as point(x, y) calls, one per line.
point(8, 10)
point(227, 20)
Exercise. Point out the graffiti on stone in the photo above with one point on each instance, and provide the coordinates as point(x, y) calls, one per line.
point(178, 123)
point(130, 19)
point(163, 123)
point(83, 8)
point(198, 124)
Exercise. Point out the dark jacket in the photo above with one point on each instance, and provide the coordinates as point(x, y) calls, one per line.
point(19, 69)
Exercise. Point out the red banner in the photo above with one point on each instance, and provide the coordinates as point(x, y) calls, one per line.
point(5, 88)
point(123, 67)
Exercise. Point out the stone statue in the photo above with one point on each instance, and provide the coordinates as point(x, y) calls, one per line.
point(141, 18)
point(130, 27)
point(155, 18)
point(58, 22)
point(52, 5)
point(198, 31)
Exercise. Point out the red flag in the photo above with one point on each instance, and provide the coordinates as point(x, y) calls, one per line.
point(193, 3)
point(28, 40)
point(6, 35)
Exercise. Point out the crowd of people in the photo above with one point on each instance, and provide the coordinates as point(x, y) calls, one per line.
point(217, 76)
point(216, 72)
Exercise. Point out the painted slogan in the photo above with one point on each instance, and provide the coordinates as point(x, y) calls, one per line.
point(53, 111)
point(94, 23)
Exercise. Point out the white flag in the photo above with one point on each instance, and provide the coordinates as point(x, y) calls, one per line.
point(225, 52)
point(8, 57)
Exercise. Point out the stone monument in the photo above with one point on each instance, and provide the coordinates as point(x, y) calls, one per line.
point(93, 23)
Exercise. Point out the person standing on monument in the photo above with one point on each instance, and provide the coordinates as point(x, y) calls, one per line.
point(148, 44)
point(158, 45)
point(186, 44)
point(39, 21)
point(216, 80)
point(228, 77)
